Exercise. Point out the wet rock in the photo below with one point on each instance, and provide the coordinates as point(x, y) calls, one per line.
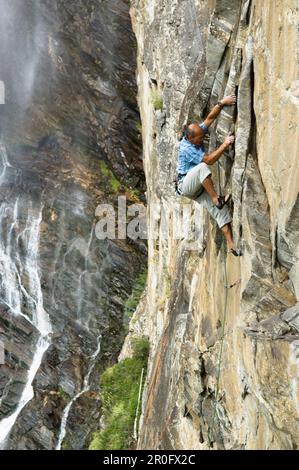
point(69, 71)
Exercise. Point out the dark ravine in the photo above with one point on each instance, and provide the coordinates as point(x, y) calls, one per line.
point(69, 70)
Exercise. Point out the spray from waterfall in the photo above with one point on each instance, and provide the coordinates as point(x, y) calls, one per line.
point(86, 388)
point(15, 267)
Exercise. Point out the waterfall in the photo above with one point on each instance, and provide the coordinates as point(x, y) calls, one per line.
point(82, 279)
point(15, 266)
point(55, 276)
point(86, 387)
point(20, 215)
point(3, 162)
point(20, 52)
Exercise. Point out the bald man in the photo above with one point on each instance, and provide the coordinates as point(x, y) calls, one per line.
point(194, 174)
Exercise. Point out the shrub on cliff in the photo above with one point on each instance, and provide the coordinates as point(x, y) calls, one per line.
point(119, 393)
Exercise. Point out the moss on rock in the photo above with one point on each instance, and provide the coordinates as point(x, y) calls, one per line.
point(119, 393)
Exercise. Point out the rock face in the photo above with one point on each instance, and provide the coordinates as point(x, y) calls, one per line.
point(223, 370)
point(70, 113)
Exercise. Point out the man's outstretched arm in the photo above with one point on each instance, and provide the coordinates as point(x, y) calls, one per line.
point(214, 156)
point(226, 101)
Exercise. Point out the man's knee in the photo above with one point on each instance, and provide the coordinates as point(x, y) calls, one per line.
point(208, 178)
point(204, 166)
point(203, 171)
point(225, 227)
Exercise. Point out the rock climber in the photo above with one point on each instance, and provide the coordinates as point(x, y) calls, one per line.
point(194, 178)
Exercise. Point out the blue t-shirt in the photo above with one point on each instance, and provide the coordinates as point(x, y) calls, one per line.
point(190, 155)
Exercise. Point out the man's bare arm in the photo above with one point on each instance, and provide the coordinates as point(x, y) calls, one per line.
point(227, 101)
point(214, 156)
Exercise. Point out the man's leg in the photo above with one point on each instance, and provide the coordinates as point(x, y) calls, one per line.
point(193, 181)
point(197, 180)
point(209, 187)
point(227, 232)
point(223, 219)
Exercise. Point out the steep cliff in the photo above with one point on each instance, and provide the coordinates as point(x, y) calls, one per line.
point(224, 361)
point(70, 113)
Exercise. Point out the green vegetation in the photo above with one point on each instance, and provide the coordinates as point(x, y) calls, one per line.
point(66, 445)
point(139, 127)
point(62, 393)
point(133, 194)
point(119, 393)
point(114, 183)
point(133, 300)
point(157, 100)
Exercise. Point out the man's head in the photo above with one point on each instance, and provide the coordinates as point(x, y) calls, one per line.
point(194, 134)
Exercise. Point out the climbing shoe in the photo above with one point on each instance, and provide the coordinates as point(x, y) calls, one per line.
point(222, 200)
point(235, 252)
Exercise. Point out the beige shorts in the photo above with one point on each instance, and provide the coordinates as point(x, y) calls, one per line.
point(191, 187)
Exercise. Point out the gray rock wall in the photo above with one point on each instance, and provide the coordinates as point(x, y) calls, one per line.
point(223, 371)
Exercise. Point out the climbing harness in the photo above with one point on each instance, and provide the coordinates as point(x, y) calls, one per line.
point(178, 183)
